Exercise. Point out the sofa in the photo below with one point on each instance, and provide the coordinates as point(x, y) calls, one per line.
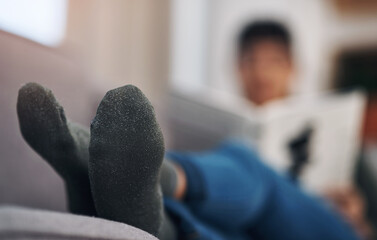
point(18, 223)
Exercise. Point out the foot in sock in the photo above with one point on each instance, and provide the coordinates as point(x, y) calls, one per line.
point(169, 179)
point(64, 145)
point(126, 153)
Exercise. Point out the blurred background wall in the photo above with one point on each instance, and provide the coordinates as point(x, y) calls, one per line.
point(120, 42)
point(156, 45)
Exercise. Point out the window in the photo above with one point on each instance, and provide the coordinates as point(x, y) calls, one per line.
point(42, 21)
point(188, 40)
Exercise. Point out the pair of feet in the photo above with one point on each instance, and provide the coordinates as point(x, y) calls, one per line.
point(112, 172)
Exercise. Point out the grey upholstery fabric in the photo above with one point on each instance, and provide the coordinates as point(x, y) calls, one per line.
point(27, 224)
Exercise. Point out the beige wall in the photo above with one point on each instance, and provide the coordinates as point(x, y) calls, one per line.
point(121, 41)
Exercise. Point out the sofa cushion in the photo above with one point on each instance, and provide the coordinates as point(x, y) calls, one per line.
point(23, 223)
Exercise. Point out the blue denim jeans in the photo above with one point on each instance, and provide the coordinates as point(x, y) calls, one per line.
point(231, 194)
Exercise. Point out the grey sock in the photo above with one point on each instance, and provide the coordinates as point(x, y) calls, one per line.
point(126, 153)
point(62, 144)
point(168, 178)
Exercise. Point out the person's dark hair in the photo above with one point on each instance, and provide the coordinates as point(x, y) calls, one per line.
point(261, 30)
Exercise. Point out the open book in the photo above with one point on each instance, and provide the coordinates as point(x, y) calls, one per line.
point(314, 138)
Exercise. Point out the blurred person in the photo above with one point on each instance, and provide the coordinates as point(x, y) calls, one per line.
point(121, 167)
point(266, 70)
point(265, 61)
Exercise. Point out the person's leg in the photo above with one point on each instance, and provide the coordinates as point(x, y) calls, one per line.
point(223, 187)
point(170, 179)
point(126, 152)
point(232, 189)
point(63, 144)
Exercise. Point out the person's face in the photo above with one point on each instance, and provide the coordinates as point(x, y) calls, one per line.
point(265, 70)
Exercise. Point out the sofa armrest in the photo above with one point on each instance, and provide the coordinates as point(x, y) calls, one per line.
point(23, 223)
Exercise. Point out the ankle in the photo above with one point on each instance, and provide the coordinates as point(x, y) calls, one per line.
point(181, 186)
